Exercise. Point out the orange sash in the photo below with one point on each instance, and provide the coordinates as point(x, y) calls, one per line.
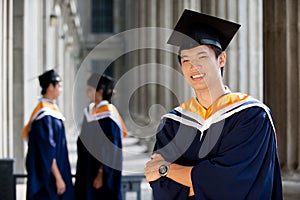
point(40, 105)
point(226, 100)
point(114, 110)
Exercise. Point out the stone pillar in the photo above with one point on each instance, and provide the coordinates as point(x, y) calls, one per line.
point(164, 20)
point(281, 85)
point(18, 83)
point(142, 58)
point(232, 66)
point(151, 36)
point(243, 70)
point(183, 87)
point(255, 51)
point(292, 87)
point(6, 109)
point(130, 60)
point(281, 77)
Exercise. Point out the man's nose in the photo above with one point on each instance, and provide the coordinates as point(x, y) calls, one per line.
point(195, 64)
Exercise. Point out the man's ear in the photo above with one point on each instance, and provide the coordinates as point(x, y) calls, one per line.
point(222, 59)
point(50, 87)
point(100, 91)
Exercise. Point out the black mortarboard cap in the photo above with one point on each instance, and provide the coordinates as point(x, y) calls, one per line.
point(93, 80)
point(48, 77)
point(194, 29)
point(100, 82)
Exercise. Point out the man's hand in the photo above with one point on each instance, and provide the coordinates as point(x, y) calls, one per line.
point(151, 169)
point(98, 181)
point(60, 186)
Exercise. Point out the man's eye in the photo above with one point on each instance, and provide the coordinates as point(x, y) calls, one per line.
point(183, 61)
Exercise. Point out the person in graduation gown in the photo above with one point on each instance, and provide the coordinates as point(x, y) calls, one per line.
point(99, 145)
point(47, 161)
point(218, 144)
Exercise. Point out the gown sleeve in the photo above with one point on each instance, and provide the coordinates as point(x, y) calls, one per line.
point(112, 157)
point(244, 164)
point(165, 188)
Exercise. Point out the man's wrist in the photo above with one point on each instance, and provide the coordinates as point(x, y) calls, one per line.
point(163, 169)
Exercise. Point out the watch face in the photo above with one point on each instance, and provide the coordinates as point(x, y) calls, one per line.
point(163, 170)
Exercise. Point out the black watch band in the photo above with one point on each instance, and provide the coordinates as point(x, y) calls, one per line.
point(163, 170)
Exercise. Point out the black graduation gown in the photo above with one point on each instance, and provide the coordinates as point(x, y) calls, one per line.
point(238, 159)
point(99, 144)
point(46, 141)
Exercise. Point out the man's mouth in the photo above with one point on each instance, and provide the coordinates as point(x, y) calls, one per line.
point(197, 76)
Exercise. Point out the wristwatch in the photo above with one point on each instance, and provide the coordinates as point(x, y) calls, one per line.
point(163, 170)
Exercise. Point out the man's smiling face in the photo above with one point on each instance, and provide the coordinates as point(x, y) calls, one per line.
point(200, 66)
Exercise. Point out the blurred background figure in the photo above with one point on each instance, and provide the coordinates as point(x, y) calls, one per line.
point(47, 162)
point(99, 145)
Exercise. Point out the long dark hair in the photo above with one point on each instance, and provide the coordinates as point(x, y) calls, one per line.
point(106, 83)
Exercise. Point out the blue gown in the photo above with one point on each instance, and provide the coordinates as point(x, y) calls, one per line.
point(231, 146)
point(99, 144)
point(46, 141)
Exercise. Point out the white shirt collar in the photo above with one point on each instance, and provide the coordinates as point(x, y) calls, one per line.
point(47, 100)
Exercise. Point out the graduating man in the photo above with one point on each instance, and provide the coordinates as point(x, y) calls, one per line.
point(47, 161)
point(218, 144)
point(99, 145)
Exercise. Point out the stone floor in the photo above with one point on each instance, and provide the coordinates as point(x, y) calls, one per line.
point(145, 192)
point(291, 189)
point(134, 163)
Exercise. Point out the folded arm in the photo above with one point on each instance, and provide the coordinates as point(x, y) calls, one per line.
point(180, 174)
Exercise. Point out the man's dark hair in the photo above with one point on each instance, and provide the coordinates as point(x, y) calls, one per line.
point(44, 89)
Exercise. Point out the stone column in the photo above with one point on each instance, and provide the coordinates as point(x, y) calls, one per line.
point(18, 86)
point(151, 36)
point(164, 20)
point(142, 58)
point(6, 109)
point(183, 87)
point(281, 77)
point(126, 108)
point(243, 70)
point(281, 85)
